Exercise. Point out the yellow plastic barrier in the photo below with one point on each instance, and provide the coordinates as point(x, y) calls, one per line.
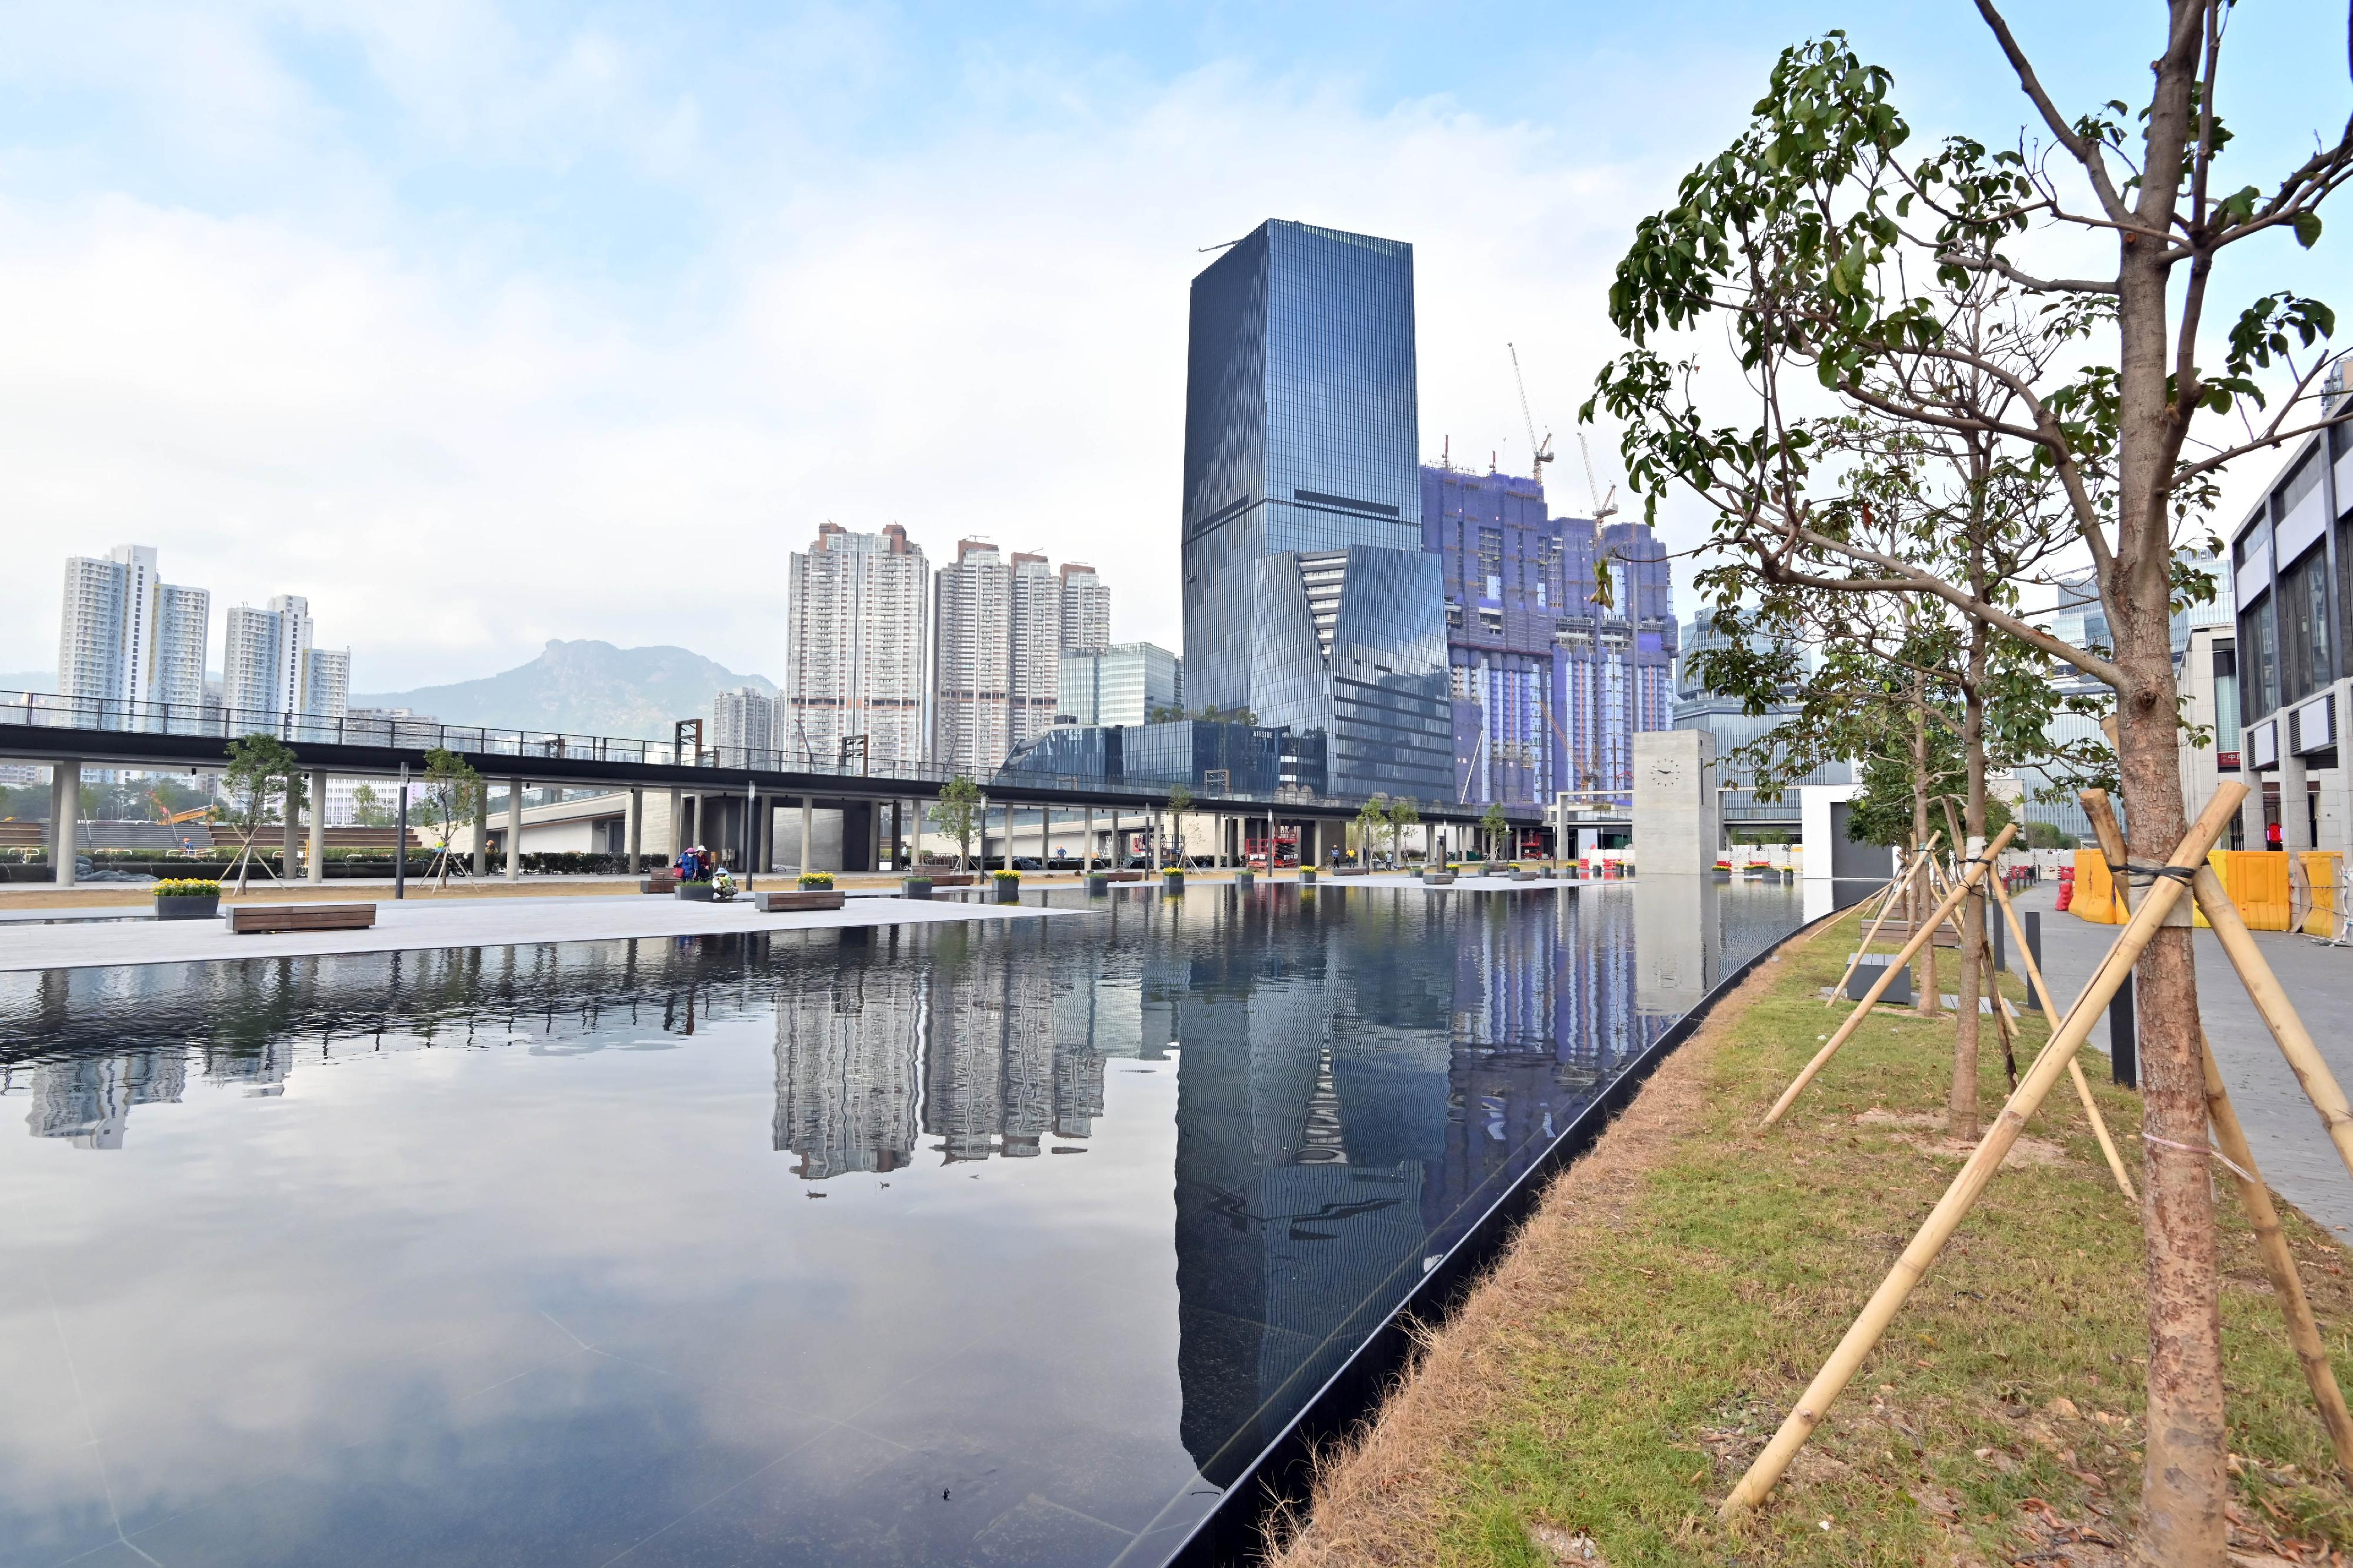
point(2320, 868)
point(2256, 880)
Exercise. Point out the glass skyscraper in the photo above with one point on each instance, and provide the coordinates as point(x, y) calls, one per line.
point(1308, 598)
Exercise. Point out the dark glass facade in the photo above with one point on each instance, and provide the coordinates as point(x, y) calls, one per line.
point(1256, 759)
point(1307, 600)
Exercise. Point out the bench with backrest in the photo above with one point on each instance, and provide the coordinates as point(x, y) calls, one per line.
point(658, 881)
point(251, 920)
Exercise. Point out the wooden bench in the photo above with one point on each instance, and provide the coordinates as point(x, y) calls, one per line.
point(253, 919)
point(797, 898)
point(951, 879)
point(659, 882)
point(1125, 876)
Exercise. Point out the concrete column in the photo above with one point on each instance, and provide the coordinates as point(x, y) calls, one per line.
point(1045, 834)
point(2294, 807)
point(1087, 843)
point(677, 825)
point(808, 832)
point(318, 826)
point(290, 821)
point(65, 817)
point(481, 828)
point(514, 830)
point(636, 827)
point(874, 827)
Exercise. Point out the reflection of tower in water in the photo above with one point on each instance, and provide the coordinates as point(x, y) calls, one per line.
point(846, 1067)
point(89, 1099)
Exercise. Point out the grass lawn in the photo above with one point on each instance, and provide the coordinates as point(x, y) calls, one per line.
point(1605, 1387)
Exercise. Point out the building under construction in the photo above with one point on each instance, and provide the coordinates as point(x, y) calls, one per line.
point(1549, 685)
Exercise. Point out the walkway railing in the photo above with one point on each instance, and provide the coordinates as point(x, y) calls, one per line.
point(215, 721)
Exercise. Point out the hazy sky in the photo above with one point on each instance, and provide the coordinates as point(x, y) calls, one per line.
point(485, 324)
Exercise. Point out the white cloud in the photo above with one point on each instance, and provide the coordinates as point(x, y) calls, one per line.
point(458, 451)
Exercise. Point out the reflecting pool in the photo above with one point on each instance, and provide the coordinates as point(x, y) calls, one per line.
point(1001, 1242)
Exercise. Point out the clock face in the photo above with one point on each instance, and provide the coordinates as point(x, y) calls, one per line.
point(1666, 770)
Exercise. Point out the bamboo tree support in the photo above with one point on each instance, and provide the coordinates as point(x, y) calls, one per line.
point(2294, 1041)
point(2074, 1062)
point(1887, 977)
point(1895, 884)
point(1983, 1162)
point(2263, 988)
point(2303, 1329)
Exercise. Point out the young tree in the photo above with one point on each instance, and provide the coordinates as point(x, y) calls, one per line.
point(453, 793)
point(1813, 244)
point(1180, 801)
point(261, 769)
point(367, 809)
point(1491, 828)
point(1404, 812)
point(1371, 817)
point(956, 813)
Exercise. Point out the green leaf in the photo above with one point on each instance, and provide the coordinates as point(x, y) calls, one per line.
point(2307, 229)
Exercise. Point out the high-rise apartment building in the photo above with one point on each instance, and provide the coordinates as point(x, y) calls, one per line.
point(1548, 684)
point(1086, 609)
point(1125, 683)
point(271, 665)
point(1309, 601)
point(125, 636)
point(857, 656)
point(744, 726)
point(997, 648)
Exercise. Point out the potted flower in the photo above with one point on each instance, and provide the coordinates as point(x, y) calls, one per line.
point(1098, 880)
point(1723, 870)
point(186, 899)
point(815, 881)
point(1307, 876)
point(1244, 878)
point(1008, 884)
point(1172, 880)
point(916, 885)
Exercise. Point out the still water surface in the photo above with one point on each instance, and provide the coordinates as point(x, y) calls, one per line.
point(1002, 1242)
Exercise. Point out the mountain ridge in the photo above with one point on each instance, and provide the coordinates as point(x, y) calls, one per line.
point(585, 687)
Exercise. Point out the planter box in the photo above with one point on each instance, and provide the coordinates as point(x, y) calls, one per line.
point(1438, 878)
point(1349, 871)
point(915, 887)
point(1307, 876)
point(1008, 890)
point(693, 892)
point(1172, 883)
point(1524, 876)
point(188, 908)
point(798, 899)
point(1245, 879)
point(1098, 882)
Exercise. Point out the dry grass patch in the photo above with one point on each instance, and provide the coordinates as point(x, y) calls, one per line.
point(1605, 1387)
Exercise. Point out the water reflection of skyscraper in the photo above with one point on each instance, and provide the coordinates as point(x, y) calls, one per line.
point(1323, 1159)
point(89, 1099)
point(997, 1038)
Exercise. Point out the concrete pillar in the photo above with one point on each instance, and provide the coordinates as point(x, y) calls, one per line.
point(318, 826)
point(1087, 843)
point(2294, 807)
point(809, 833)
point(481, 828)
point(291, 822)
point(677, 825)
point(1676, 827)
point(65, 817)
point(514, 830)
point(636, 839)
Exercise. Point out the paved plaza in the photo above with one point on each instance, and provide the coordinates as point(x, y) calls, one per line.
point(426, 922)
point(2291, 1146)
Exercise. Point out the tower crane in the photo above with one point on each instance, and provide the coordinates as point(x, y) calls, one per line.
point(1540, 452)
point(1604, 507)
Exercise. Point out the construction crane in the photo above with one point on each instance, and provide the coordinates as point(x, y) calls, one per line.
point(1604, 507)
point(170, 818)
point(1540, 452)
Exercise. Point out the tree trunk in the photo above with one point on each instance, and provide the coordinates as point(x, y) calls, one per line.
point(1961, 1112)
point(2183, 1487)
point(1927, 1002)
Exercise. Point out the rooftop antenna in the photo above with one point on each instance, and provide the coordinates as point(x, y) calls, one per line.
point(1540, 451)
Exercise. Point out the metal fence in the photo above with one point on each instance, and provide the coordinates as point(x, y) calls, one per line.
point(211, 721)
